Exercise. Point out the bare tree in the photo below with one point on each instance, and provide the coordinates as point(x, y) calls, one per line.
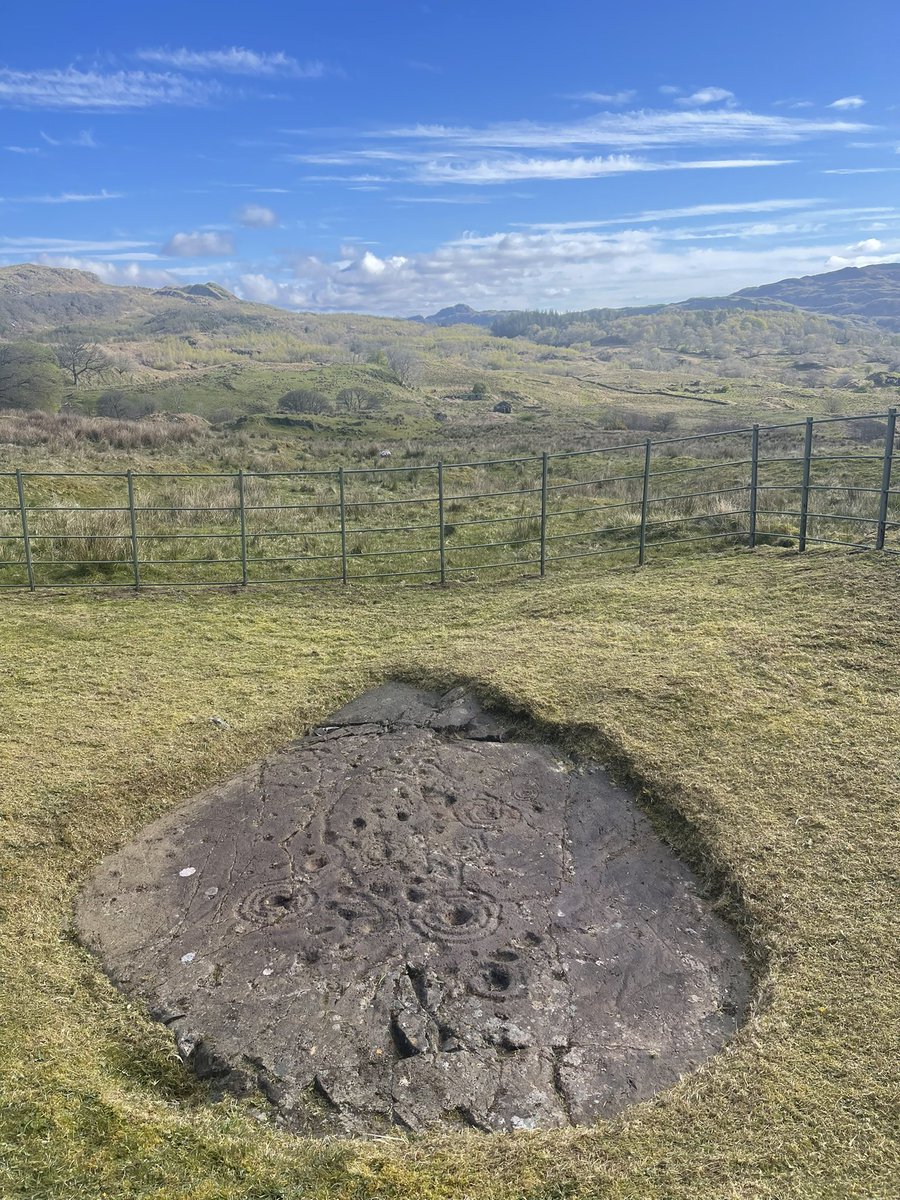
point(303, 400)
point(125, 406)
point(404, 366)
point(82, 360)
point(356, 399)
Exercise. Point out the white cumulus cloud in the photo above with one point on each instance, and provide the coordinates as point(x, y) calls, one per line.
point(553, 268)
point(259, 288)
point(557, 269)
point(123, 273)
point(198, 245)
point(257, 216)
point(707, 95)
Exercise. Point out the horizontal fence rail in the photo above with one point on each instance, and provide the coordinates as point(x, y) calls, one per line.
point(820, 481)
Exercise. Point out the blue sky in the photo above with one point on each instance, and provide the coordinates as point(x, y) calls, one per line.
point(397, 157)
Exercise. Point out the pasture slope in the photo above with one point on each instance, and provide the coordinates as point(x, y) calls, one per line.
point(752, 696)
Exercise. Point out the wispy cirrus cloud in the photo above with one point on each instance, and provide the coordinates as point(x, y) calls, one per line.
point(519, 151)
point(692, 210)
point(859, 170)
point(640, 129)
point(57, 245)
point(426, 167)
point(517, 169)
point(98, 91)
point(234, 60)
point(847, 102)
point(440, 199)
point(771, 204)
point(84, 140)
point(250, 187)
point(365, 179)
point(23, 149)
point(64, 198)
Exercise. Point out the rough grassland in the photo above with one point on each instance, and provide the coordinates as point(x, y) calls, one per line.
point(756, 697)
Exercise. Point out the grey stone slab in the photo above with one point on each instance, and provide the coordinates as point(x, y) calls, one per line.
point(407, 919)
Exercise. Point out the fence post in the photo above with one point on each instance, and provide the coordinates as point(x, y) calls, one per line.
point(754, 482)
point(343, 526)
point(26, 536)
point(243, 511)
point(645, 503)
point(804, 493)
point(441, 539)
point(886, 477)
point(135, 559)
point(545, 468)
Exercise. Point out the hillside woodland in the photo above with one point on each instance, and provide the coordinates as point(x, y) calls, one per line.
point(70, 343)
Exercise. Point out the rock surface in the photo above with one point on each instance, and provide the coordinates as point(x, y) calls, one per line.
point(409, 918)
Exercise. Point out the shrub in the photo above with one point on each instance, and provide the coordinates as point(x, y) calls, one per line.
point(124, 406)
point(303, 400)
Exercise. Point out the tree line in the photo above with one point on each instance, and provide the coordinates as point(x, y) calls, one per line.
point(35, 375)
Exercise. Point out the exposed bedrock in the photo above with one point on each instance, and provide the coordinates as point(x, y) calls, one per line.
point(413, 918)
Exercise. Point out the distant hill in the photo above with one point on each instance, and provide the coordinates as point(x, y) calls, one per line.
point(37, 299)
point(203, 291)
point(196, 347)
point(872, 293)
point(34, 299)
point(461, 314)
point(865, 293)
point(861, 293)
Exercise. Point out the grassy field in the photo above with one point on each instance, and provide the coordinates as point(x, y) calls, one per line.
point(754, 700)
point(189, 530)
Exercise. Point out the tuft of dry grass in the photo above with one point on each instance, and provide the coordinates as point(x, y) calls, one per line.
point(752, 699)
point(70, 433)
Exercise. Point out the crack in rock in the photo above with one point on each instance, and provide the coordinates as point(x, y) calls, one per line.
point(417, 917)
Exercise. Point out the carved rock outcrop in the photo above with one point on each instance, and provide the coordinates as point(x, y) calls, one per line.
point(412, 917)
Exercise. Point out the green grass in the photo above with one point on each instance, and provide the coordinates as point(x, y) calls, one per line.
point(754, 698)
point(699, 489)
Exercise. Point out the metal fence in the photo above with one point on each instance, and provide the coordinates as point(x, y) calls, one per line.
point(800, 483)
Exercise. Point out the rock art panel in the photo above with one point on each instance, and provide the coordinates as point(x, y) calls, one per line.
point(416, 917)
